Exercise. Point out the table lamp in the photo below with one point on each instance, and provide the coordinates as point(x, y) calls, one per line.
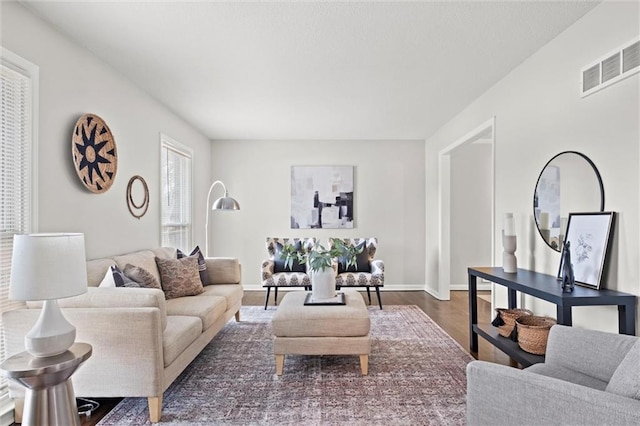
point(48, 267)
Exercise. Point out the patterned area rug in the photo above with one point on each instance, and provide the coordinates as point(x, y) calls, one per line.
point(416, 376)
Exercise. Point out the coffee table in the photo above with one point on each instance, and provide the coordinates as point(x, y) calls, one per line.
point(321, 330)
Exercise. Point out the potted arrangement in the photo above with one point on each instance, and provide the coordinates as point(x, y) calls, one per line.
point(319, 260)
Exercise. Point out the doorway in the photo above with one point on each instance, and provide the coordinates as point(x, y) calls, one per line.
point(466, 188)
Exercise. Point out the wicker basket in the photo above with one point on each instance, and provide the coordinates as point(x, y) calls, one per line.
point(533, 332)
point(509, 317)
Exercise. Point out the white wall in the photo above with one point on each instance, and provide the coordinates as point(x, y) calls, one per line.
point(471, 185)
point(389, 200)
point(539, 112)
point(74, 82)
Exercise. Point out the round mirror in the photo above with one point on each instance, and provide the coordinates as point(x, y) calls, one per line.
point(569, 182)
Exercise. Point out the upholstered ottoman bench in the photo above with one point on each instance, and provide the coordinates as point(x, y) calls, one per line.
point(321, 330)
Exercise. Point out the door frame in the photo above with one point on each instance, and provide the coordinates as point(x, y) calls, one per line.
point(444, 202)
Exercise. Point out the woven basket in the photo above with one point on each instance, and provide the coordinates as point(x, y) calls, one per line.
point(509, 317)
point(533, 332)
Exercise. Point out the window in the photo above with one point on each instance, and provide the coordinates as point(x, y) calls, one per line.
point(18, 135)
point(175, 210)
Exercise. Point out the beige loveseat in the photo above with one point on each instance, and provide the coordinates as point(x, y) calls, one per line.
point(141, 342)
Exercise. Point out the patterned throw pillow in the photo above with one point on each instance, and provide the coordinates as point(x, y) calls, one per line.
point(140, 276)
point(116, 278)
point(202, 265)
point(179, 277)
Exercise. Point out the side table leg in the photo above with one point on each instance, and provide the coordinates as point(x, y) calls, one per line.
point(627, 319)
point(473, 312)
point(52, 406)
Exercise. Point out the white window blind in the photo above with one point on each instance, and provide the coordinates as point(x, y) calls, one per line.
point(176, 216)
point(18, 85)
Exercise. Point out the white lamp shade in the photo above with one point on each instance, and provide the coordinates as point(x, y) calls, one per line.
point(48, 266)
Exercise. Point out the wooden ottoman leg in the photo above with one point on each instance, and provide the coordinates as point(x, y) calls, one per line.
point(364, 364)
point(279, 364)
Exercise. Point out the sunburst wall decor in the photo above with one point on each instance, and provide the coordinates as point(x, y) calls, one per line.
point(94, 153)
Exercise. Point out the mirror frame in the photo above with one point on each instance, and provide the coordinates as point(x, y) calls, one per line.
point(601, 187)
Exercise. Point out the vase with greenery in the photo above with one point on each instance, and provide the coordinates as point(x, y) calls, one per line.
point(320, 261)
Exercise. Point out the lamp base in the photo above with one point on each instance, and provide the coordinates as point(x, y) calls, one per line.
point(52, 334)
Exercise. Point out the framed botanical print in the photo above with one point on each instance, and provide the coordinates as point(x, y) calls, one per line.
point(589, 235)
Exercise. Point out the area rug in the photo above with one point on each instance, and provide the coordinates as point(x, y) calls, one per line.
point(416, 377)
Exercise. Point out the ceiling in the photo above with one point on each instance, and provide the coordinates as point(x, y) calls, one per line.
point(313, 70)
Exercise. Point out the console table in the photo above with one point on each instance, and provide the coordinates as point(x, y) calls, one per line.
point(545, 287)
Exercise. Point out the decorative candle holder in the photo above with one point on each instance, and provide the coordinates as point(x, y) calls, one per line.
point(509, 260)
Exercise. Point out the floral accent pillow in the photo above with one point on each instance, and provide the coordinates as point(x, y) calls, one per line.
point(179, 277)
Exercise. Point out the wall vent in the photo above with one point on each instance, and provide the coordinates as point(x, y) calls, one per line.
point(611, 68)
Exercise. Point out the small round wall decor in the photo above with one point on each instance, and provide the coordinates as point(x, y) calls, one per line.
point(131, 205)
point(94, 153)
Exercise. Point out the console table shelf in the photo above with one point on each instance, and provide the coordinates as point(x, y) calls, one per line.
point(545, 287)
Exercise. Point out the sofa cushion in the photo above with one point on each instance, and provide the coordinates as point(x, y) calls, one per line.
point(202, 265)
point(181, 331)
point(231, 292)
point(223, 270)
point(180, 277)
point(141, 276)
point(207, 308)
point(145, 259)
point(626, 379)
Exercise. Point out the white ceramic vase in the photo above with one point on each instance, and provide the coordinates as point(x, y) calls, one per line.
point(323, 284)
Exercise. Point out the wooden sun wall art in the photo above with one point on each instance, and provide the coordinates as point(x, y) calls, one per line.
point(94, 153)
point(140, 209)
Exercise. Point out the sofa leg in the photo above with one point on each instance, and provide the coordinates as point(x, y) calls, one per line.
point(155, 408)
point(238, 316)
point(275, 296)
point(18, 410)
point(369, 294)
point(378, 294)
point(266, 299)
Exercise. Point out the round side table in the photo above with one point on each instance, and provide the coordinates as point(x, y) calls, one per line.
point(49, 398)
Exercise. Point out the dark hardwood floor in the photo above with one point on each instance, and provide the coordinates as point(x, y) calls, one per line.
point(452, 316)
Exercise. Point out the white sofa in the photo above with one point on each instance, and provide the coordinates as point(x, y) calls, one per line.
point(141, 342)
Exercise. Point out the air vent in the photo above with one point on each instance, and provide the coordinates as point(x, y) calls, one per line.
point(614, 67)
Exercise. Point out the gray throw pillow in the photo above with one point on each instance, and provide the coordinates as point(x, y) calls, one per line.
point(179, 277)
point(626, 379)
point(121, 280)
point(141, 276)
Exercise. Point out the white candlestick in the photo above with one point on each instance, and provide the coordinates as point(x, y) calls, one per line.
point(509, 224)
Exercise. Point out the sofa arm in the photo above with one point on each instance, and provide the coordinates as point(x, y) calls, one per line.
point(501, 395)
point(223, 270)
point(126, 342)
point(266, 270)
point(594, 353)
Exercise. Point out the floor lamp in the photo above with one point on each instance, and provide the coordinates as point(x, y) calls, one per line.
point(222, 203)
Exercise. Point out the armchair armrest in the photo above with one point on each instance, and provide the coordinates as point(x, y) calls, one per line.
point(594, 353)
point(501, 395)
point(223, 270)
point(377, 272)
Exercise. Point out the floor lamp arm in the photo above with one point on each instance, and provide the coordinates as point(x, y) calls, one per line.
point(206, 223)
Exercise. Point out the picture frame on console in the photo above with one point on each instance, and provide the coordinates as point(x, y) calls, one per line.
point(590, 236)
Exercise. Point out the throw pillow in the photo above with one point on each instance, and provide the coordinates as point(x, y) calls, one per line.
point(626, 379)
point(108, 280)
point(140, 276)
point(278, 260)
point(202, 265)
point(362, 261)
point(179, 277)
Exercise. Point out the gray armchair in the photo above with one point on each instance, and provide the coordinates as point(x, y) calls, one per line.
point(588, 378)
